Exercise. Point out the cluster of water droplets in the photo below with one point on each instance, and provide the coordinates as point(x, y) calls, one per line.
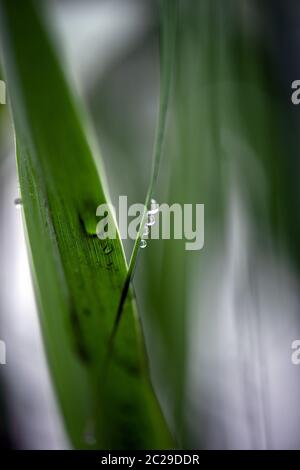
point(150, 221)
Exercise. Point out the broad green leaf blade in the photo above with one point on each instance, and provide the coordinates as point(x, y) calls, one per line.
point(78, 278)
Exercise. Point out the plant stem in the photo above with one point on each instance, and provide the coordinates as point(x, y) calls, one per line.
point(168, 27)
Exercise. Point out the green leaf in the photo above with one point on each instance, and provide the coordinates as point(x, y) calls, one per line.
point(106, 400)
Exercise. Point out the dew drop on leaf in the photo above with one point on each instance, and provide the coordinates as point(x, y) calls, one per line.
point(89, 434)
point(108, 249)
point(151, 220)
point(18, 202)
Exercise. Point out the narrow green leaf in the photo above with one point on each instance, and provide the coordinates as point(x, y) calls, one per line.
point(78, 278)
point(169, 23)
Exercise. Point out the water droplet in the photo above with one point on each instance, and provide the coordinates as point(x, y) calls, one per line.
point(146, 231)
point(89, 434)
point(90, 438)
point(143, 243)
point(18, 202)
point(108, 249)
point(153, 207)
point(151, 220)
